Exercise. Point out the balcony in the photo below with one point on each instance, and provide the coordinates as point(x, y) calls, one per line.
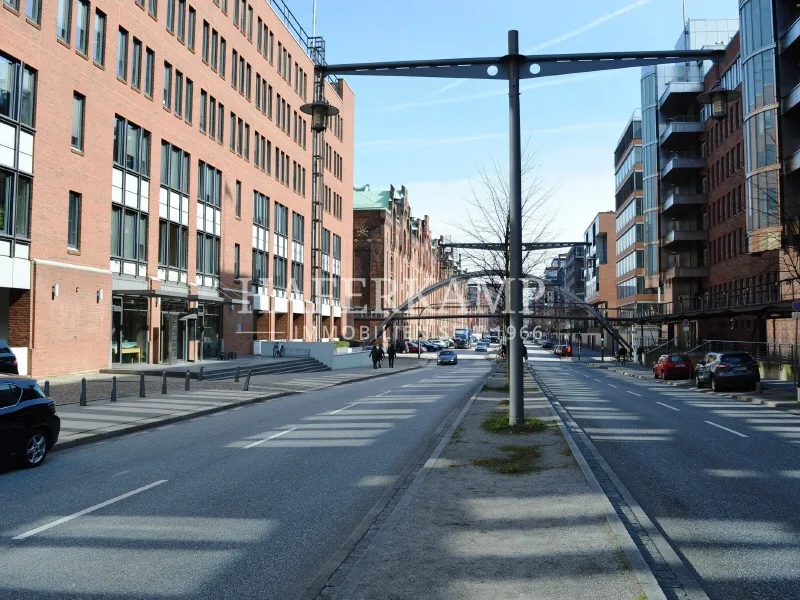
point(681, 131)
point(681, 164)
point(682, 267)
point(682, 232)
point(680, 199)
point(791, 164)
point(680, 94)
point(791, 99)
point(790, 36)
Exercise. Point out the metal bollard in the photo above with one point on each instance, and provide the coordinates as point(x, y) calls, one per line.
point(83, 391)
point(47, 387)
point(114, 388)
point(188, 377)
point(238, 369)
point(200, 374)
point(164, 382)
point(247, 382)
point(141, 385)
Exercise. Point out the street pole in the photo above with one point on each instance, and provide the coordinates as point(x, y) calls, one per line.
point(516, 413)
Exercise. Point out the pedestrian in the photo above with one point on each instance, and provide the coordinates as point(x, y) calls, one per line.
point(381, 354)
point(391, 354)
point(374, 356)
point(524, 352)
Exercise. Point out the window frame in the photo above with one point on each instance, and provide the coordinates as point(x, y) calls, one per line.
point(122, 54)
point(78, 97)
point(74, 220)
point(65, 27)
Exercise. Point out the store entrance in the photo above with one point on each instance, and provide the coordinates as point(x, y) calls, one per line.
point(178, 333)
point(129, 323)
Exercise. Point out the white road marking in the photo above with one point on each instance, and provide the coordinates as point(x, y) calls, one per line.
point(726, 429)
point(612, 385)
point(343, 408)
point(634, 393)
point(383, 393)
point(86, 511)
point(272, 437)
point(597, 380)
point(669, 407)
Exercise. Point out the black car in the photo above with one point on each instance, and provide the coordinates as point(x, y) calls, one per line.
point(547, 344)
point(727, 369)
point(8, 362)
point(447, 357)
point(29, 426)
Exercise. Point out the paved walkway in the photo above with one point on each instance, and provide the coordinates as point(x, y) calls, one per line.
point(103, 419)
point(464, 532)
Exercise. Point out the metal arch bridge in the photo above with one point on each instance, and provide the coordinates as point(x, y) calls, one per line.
point(397, 313)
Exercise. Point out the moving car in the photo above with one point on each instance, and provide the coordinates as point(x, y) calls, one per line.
point(673, 366)
point(8, 361)
point(482, 347)
point(566, 350)
point(721, 369)
point(547, 344)
point(29, 426)
point(447, 357)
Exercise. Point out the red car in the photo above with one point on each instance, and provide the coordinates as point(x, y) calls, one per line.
point(673, 366)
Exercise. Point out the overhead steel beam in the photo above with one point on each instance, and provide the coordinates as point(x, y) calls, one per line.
point(500, 246)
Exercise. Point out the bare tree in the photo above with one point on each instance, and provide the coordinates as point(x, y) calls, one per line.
point(486, 219)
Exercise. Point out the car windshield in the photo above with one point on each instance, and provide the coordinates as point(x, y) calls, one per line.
point(678, 358)
point(446, 353)
point(736, 358)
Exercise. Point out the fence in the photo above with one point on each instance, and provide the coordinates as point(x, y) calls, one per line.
point(763, 352)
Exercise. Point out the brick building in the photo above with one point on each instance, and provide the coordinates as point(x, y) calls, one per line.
point(133, 234)
point(600, 279)
point(394, 257)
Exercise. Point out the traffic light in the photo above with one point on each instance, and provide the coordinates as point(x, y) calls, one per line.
point(603, 338)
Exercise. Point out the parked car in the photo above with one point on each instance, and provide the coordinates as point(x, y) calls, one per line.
point(727, 369)
point(482, 347)
point(429, 346)
point(565, 350)
point(411, 347)
point(673, 366)
point(447, 357)
point(8, 361)
point(547, 344)
point(29, 426)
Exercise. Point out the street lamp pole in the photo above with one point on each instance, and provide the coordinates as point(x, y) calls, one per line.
point(516, 405)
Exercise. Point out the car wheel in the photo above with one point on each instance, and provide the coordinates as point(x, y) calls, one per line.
point(714, 385)
point(35, 449)
point(698, 383)
point(655, 375)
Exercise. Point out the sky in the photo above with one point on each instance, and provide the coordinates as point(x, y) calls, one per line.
point(432, 134)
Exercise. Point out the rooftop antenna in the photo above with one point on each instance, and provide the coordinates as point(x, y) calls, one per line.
point(314, 19)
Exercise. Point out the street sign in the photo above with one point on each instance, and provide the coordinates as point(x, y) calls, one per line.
point(686, 325)
point(796, 309)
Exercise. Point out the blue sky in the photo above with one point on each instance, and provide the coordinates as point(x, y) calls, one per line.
point(430, 135)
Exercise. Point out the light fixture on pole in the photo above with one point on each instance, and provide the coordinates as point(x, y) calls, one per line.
point(319, 110)
point(718, 97)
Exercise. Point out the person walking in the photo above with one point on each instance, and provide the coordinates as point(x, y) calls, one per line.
point(524, 352)
point(374, 355)
point(391, 353)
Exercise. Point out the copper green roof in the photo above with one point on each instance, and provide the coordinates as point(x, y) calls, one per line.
point(365, 198)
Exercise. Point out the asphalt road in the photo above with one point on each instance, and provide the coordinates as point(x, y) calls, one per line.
point(248, 503)
point(719, 477)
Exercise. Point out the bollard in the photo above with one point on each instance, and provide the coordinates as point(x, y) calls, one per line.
point(141, 385)
point(114, 388)
point(247, 382)
point(200, 374)
point(188, 377)
point(237, 374)
point(83, 391)
point(164, 382)
point(758, 388)
point(47, 388)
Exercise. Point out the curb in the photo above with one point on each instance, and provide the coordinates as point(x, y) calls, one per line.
point(364, 563)
point(168, 420)
point(640, 567)
point(786, 405)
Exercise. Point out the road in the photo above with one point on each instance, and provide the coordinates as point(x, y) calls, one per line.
point(248, 503)
point(719, 477)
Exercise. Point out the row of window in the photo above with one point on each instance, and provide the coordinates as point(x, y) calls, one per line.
point(725, 166)
point(634, 260)
point(629, 238)
point(728, 246)
point(334, 162)
point(336, 125)
point(730, 204)
point(212, 116)
point(175, 102)
point(720, 131)
point(332, 203)
point(633, 210)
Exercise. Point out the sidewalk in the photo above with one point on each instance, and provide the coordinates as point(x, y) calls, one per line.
point(466, 532)
point(104, 419)
point(774, 393)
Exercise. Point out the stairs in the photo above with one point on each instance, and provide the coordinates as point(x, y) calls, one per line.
point(288, 365)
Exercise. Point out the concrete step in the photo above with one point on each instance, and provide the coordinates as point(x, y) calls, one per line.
point(302, 365)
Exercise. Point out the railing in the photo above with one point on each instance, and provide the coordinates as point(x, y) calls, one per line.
point(685, 261)
point(684, 226)
point(766, 293)
point(780, 354)
point(686, 119)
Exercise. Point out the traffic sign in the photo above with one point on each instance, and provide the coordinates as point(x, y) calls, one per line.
point(796, 306)
point(686, 325)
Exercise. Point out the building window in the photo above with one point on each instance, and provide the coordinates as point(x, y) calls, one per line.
point(250, 23)
point(249, 78)
point(203, 110)
point(192, 20)
point(189, 99)
point(234, 73)
point(260, 242)
point(167, 96)
point(99, 55)
point(337, 267)
point(205, 42)
point(149, 68)
point(181, 20)
point(232, 133)
point(178, 93)
point(173, 243)
point(82, 28)
point(238, 202)
point(152, 7)
point(130, 198)
point(122, 54)
point(33, 11)
point(74, 221)
point(212, 118)
point(17, 98)
point(63, 20)
point(214, 48)
point(246, 141)
point(223, 48)
point(171, 15)
point(136, 64)
point(220, 122)
point(236, 251)
point(78, 107)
